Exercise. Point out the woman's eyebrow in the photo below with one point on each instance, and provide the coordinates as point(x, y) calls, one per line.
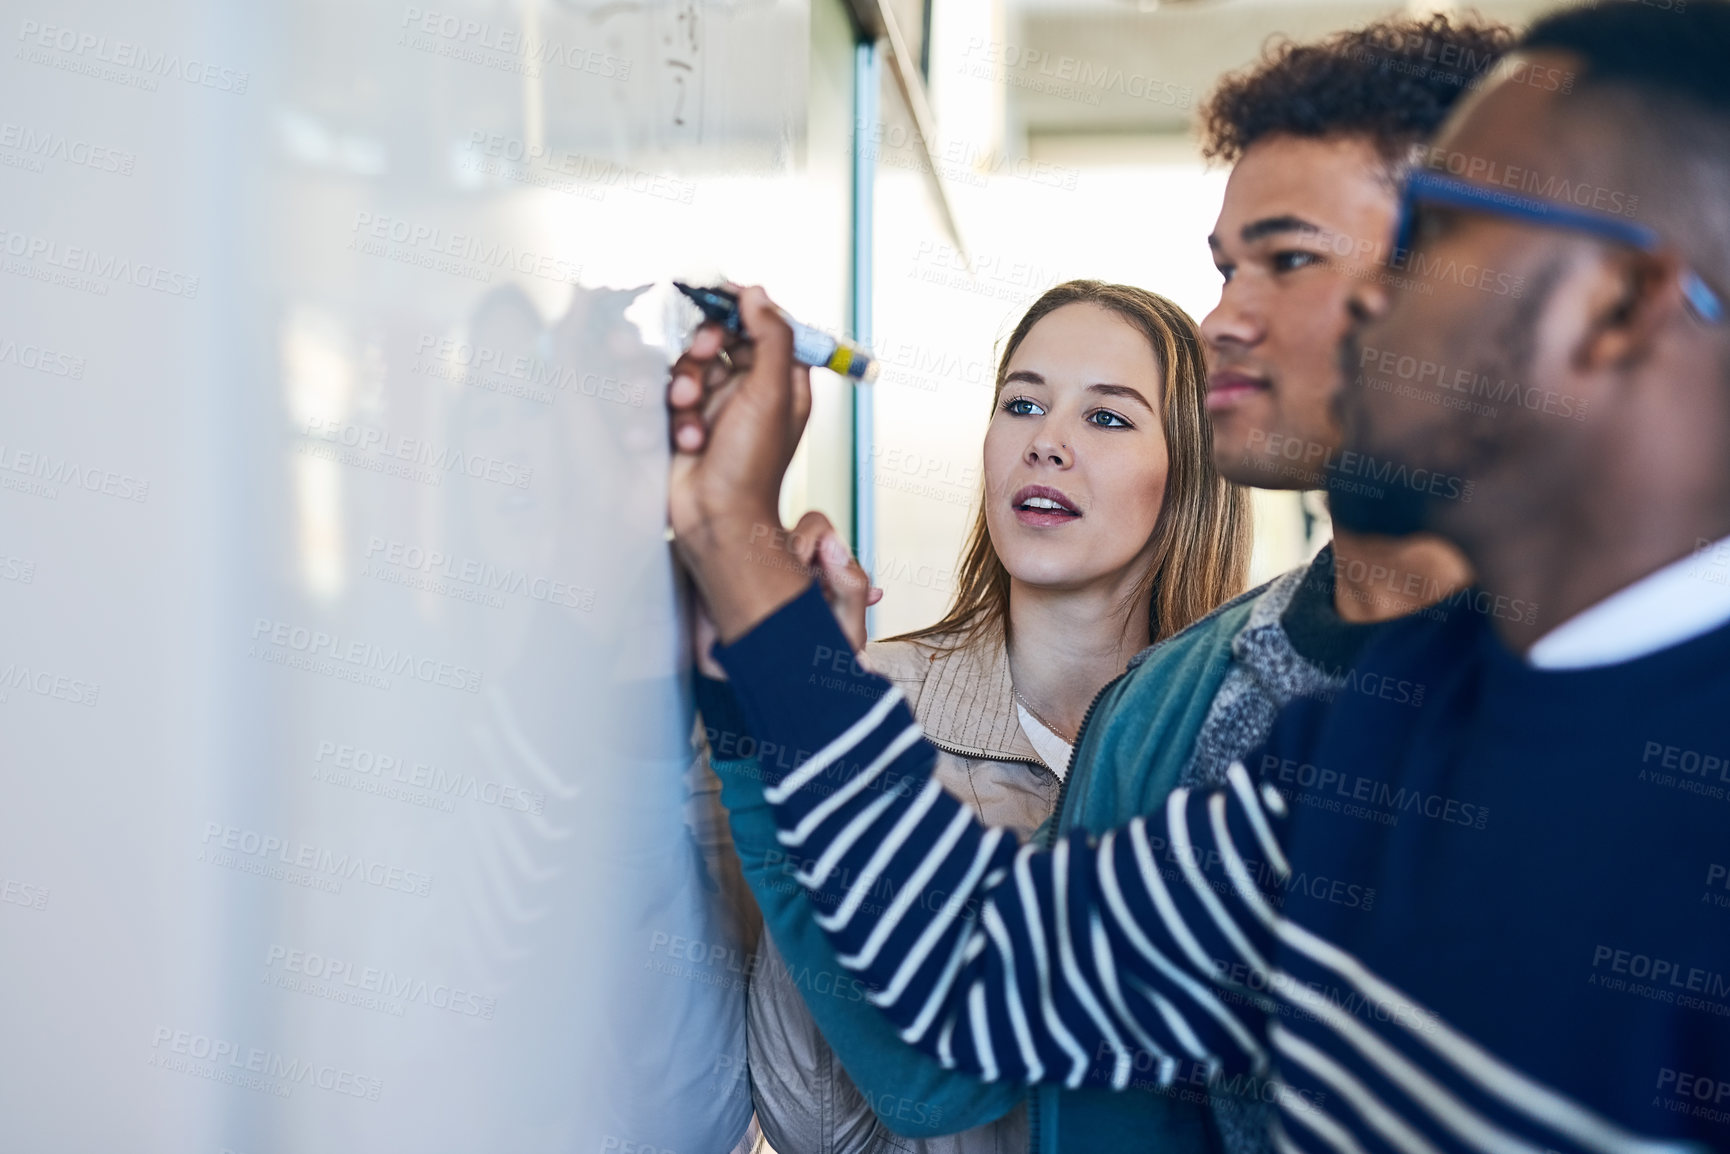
point(1121, 391)
point(1025, 376)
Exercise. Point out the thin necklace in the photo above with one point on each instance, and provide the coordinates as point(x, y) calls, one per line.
point(1025, 705)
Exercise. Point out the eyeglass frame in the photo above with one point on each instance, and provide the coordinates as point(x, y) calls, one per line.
point(1429, 187)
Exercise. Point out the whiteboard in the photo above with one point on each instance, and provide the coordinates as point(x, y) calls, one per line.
point(344, 725)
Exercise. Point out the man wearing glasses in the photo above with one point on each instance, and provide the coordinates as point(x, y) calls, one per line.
point(1489, 921)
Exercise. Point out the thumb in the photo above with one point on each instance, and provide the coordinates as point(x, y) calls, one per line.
point(770, 381)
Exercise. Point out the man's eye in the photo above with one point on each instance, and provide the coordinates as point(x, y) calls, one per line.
point(1293, 259)
point(1431, 224)
point(1106, 415)
point(1021, 407)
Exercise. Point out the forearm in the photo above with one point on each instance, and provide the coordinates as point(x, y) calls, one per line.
point(1012, 964)
point(742, 568)
point(913, 1094)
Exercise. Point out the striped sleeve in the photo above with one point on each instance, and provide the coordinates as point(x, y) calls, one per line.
point(1108, 961)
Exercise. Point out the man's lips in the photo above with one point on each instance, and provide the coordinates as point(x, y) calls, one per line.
point(1226, 390)
point(1041, 506)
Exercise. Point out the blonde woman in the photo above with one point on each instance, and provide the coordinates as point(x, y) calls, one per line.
point(1103, 527)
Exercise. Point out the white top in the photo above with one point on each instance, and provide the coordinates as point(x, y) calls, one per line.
point(1682, 601)
point(1052, 749)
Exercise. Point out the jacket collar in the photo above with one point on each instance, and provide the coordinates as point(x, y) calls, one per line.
point(967, 701)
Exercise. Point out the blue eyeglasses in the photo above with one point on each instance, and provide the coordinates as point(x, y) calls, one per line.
point(1430, 188)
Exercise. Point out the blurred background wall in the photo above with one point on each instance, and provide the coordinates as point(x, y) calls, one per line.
point(346, 799)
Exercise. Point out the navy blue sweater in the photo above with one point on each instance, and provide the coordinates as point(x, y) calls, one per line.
point(1465, 905)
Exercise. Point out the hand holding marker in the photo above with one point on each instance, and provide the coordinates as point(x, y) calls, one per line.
point(811, 346)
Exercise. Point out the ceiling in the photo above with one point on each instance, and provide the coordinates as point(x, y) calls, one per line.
point(1147, 70)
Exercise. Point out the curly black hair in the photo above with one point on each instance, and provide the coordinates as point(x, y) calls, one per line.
point(1663, 51)
point(1392, 82)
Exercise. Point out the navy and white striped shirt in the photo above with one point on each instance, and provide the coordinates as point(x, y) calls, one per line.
point(1419, 920)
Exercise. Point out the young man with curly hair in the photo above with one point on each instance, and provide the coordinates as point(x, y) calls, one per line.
point(1319, 136)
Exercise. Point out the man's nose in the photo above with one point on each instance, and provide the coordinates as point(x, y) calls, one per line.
point(1236, 322)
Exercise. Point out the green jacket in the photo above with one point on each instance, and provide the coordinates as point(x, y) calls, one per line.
point(1136, 739)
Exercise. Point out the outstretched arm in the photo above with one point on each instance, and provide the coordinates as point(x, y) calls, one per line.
point(910, 1092)
point(1012, 964)
point(1089, 963)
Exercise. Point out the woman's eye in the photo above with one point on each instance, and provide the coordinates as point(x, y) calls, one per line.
point(1225, 271)
point(1106, 419)
point(1021, 407)
point(1294, 259)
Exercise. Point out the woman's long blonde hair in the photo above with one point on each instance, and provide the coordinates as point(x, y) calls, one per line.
point(1202, 535)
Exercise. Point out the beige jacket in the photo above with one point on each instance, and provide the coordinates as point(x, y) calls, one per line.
point(805, 1101)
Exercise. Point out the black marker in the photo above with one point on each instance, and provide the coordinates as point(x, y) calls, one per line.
point(811, 346)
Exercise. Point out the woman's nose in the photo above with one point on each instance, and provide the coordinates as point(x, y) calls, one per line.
point(1049, 449)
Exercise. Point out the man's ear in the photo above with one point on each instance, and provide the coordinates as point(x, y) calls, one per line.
point(1642, 297)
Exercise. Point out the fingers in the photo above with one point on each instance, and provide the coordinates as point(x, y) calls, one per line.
point(686, 391)
point(690, 384)
point(843, 581)
point(772, 366)
point(809, 533)
point(801, 400)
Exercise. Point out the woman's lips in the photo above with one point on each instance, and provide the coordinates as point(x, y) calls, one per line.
point(1228, 390)
point(1034, 505)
